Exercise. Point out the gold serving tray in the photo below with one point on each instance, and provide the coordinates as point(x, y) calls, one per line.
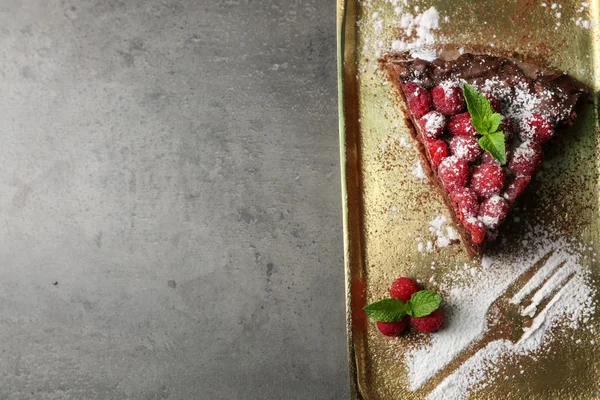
point(386, 208)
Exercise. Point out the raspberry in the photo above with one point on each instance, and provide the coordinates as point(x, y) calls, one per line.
point(418, 98)
point(465, 147)
point(525, 159)
point(514, 189)
point(536, 127)
point(487, 180)
point(433, 124)
point(476, 228)
point(454, 172)
point(487, 158)
point(466, 204)
point(493, 99)
point(460, 125)
point(402, 288)
point(438, 150)
point(448, 98)
point(493, 211)
point(392, 328)
point(428, 323)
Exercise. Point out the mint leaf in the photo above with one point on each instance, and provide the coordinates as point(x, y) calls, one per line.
point(386, 310)
point(423, 303)
point(486, 122)
point(495, 120)
point(480, 109)
point(493, 143)
point(409, 309)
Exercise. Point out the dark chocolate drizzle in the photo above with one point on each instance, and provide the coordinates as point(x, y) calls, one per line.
point(562, 92)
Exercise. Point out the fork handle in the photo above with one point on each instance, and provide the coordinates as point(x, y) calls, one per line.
point(488, 337)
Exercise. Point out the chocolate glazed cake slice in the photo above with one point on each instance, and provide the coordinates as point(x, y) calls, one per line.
point(480, 185)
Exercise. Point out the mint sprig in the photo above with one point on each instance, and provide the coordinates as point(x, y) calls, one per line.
point(486, 122)
point(421, 303)
point(386, 310)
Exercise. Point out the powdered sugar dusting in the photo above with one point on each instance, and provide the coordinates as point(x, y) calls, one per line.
point(434, 121)
point(449, 86)
point(553, 262)
point(491, 222)
point(580, 21)
point(472, 292)
point(557, 280)
point(452, 233)
point(488, 221)
point(378, 23)
point(417, 170)
point(445, 235)
point(417, 30)
point(568, 309)
point(465, 147)
point(519, 101)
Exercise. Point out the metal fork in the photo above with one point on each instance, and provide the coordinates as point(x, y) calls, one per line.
point(511, 315)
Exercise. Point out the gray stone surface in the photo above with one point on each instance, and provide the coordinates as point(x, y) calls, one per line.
point(173, 166)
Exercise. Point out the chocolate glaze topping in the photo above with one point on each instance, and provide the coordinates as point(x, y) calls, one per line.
point(561, 92)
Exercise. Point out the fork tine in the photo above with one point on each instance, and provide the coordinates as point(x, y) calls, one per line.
point(553, 264)
point(545, 305)
point(558, 279)
point(522, 280)
point(490, 334)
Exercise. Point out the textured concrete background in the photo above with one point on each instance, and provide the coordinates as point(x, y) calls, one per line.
point(173, 165)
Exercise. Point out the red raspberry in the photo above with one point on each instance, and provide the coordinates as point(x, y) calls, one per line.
point(392, 328)
point(487, 180)
point(525, 159)
point(460, 125)
point(433, 124)
point(418, 98)
point(515, 188)
point(402, 288)
point(493, 99)
point(487, 158)
point(476, 228)
point(454, 172)
point(438, 150)
point(465, 147)
point(493, 211)
point(428, 323)
point(536, 127)
point(466, 204)
point(448, 98)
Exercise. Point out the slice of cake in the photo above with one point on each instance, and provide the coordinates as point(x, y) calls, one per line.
point(483, 123)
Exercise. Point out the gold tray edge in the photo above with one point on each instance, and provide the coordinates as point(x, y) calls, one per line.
point(349, 173)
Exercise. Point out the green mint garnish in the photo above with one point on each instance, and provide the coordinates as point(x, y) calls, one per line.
point(423, 303)
point(486, 123)
point(493, 143)
point(386, 310)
